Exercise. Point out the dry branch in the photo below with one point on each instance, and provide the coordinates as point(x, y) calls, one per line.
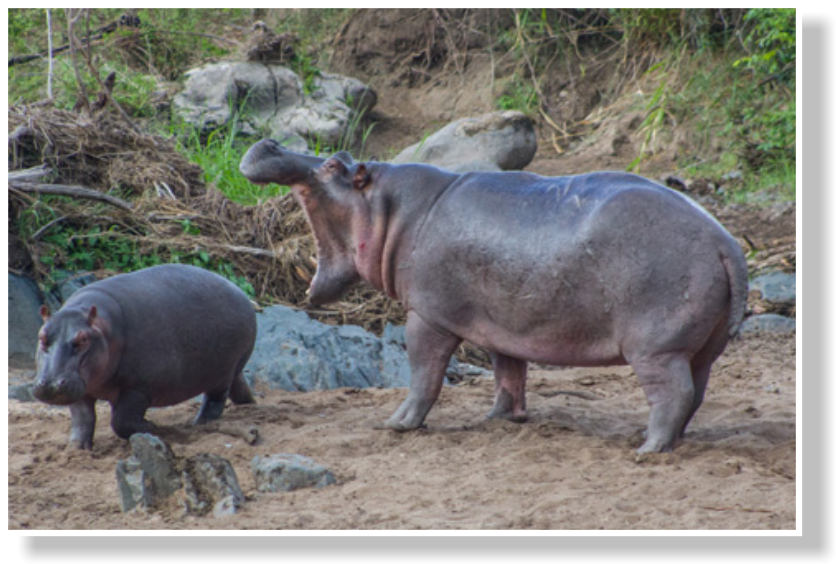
point(71, 191)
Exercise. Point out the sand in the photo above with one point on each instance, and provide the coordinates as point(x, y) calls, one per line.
point(572, 466)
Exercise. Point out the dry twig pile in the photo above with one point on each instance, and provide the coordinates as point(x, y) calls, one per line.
point(269, 244)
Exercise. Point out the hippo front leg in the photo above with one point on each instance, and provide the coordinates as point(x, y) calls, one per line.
point(128, 414)
point(509, 385)
point(429, 352)
point(83, 423)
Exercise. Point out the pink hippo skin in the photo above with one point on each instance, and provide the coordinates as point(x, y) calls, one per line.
point(151, 338)
point(590, 270)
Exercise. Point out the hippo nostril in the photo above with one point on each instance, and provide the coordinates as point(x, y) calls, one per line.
point(275, 146)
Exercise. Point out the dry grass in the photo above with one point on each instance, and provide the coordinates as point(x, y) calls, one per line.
point(270, 244)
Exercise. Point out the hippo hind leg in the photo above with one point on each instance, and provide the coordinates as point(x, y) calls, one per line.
point(212, 407)
point(701, 366)
point(669, 388)
point(509, 385)
point(214, 402)
point(239, 391)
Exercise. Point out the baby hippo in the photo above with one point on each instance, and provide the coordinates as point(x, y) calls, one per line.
point(151, 338)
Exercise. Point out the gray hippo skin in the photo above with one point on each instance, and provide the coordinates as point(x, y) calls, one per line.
point(151, 338)
point(597, 269)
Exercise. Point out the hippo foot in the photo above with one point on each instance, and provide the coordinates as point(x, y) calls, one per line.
point(124, 430)
point(652, 449)
point(410, 415)
point(655, 446)
point(400, 427)
point(512, 416)
point(509, 407)
point(81, 444)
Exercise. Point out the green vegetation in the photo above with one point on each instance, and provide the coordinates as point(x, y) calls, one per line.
point(726, 76)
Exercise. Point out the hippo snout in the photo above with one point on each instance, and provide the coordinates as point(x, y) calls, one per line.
point(63, 389)
point(254, 164)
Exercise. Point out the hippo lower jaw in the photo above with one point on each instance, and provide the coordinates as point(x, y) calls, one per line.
point(330, 284)
point(64, 390)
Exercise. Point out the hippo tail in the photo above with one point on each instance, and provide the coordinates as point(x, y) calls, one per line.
point(735, 264)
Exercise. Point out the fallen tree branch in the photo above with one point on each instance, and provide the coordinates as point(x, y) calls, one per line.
point(71, 191)
point(250, 251)
point(29, 174)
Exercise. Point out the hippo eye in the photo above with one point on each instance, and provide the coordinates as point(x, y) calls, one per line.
point(80, 341)
point(43, 339)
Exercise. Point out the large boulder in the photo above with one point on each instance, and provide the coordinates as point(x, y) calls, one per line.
point(296, 353)
point(293, 352)
point(272, 99)
point(493, 142)
point(24, 320)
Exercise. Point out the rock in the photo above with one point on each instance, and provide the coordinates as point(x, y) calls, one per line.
point(773, 293)
point(211, 483)
point(294, 352)
point(497, 141)
point(24, 320)
point(271, 99)
point(153, 474)
point(148, 475)
point(288, 472)
point(768, 323)
point(73, 283)
point(775, 287)
point(66, 284)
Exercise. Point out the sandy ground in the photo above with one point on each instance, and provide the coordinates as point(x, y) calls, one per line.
point(572, 466)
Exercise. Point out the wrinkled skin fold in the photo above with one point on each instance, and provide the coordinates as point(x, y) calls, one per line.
point(589, 270)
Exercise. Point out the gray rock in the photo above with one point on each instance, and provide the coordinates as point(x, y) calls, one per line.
point(148, 475)
point(294, 352)
point(211, 483)
point(73, 283)
point(153, 473)
point(768, 323)
point(271, 100)
point(288, 472)
point(497, 141)
point(775, 287)
point(24, 320)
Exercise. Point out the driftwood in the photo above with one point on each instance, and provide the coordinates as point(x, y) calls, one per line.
point(126, 20)
point(72, 191)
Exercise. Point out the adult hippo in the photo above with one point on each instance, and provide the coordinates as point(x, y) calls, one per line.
point(151, 338)
point(589, 270)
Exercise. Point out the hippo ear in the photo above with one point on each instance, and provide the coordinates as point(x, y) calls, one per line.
point(344, 156)
point(361, 177)
point(334, 165)
point(91, 315)
point(44, 313)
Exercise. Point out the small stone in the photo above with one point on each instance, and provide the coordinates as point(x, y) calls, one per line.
point(212, 482)
point(288, 472)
